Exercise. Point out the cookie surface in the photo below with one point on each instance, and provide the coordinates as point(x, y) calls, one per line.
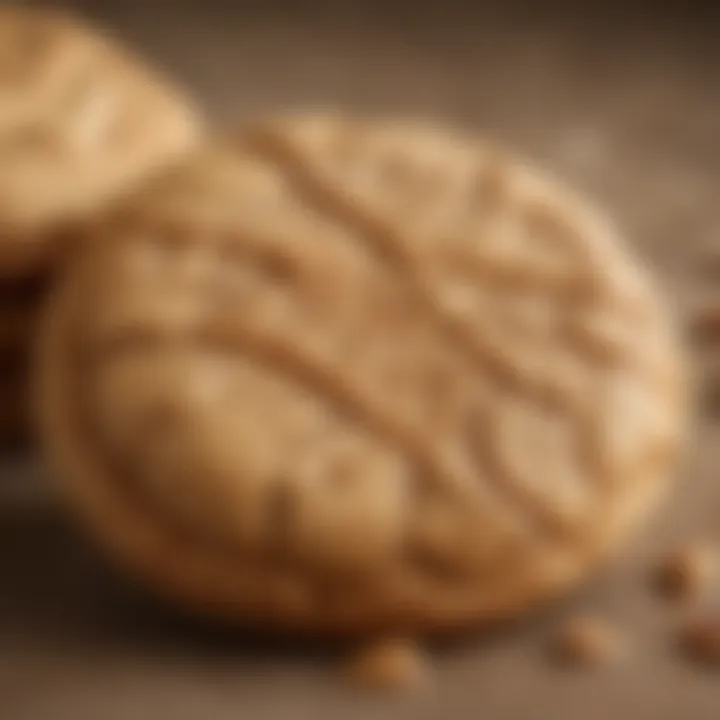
point(81, 121)
point(342, 376)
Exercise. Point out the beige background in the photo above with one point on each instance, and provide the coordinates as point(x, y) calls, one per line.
point(624, 103)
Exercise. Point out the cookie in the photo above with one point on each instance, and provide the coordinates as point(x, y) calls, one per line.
point(343, 376)
point(82, 122)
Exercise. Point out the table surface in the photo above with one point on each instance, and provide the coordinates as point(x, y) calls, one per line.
point(627, 106)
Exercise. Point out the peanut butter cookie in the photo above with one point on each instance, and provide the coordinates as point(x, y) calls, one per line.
point(340, 376)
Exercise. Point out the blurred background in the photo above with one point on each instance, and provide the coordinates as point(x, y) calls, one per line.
point(621, 99)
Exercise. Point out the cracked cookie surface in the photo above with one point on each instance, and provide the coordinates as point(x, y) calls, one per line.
point(81, 122)
point(343, 376)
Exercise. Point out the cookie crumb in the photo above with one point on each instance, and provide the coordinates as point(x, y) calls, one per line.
point(687, 572)
point(586, 641)
point(700, 641)
point(705, 324)
point(388, 665)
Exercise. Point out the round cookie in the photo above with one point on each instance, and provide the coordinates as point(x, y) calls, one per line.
point(338, 376)
point(82, 123)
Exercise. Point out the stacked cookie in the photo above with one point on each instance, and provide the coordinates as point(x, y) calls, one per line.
point(82, 123)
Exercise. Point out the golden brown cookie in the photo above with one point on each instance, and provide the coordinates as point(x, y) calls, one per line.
point(82, 123)
point(342, 377)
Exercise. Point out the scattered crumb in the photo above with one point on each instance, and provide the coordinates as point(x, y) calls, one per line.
point(388, 665)
point(686, 573)
point(587, 641)
point(710, 398)
point(705, 324)
point(700, 640)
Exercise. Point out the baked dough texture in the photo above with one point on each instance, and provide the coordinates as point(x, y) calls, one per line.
point(81, 122)
point(343, 376)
